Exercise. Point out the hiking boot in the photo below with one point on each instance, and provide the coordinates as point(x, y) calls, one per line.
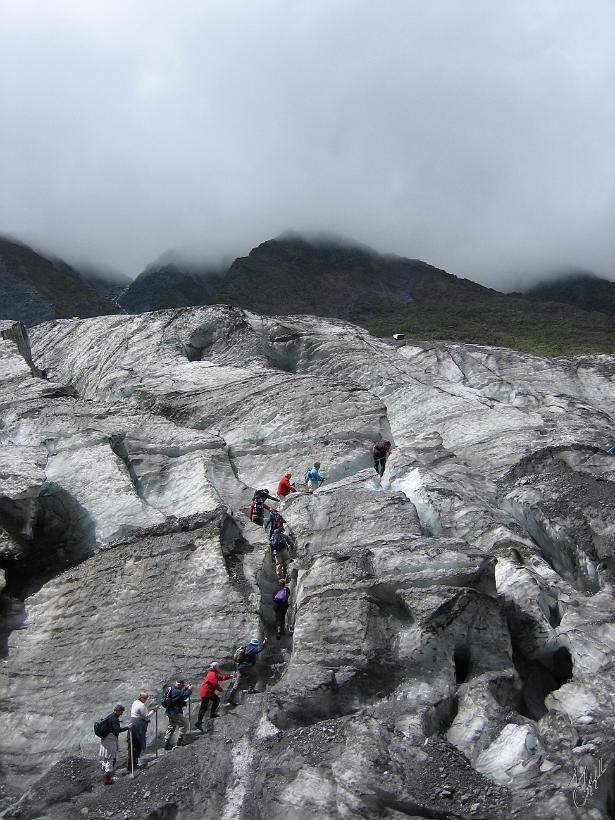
point(198, 726)
point(252, 691)
point(168, 746)
point(181, 741)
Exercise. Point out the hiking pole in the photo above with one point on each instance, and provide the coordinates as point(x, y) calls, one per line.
point(189, 714)
point(156, 721)
point(132, 752)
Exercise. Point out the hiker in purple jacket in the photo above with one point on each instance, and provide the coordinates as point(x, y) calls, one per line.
point(280, 606)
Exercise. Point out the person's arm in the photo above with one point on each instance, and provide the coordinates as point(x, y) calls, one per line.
point(226, 677)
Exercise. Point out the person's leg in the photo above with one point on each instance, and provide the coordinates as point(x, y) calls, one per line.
point(202, 711)
point(169, 732)
point(182, 723)
point(215, 702)
point(249, 677)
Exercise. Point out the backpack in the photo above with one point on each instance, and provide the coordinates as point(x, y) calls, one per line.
point(278, 539)
point(379, 450)
point(101, 727)
point(240, 654)
point(306, 476)
point(282, 594)
point(276, 522)
point(258, 510)
point(168, 702)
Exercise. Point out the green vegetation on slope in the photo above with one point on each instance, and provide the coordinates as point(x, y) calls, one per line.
point(544, 329)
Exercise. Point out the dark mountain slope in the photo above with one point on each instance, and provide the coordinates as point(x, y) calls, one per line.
point(583, 290)
point(170, 286)
point(292, 275)
point(35, 289)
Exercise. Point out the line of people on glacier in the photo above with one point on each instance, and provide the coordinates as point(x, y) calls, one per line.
point(175, 700)
point(245, 657)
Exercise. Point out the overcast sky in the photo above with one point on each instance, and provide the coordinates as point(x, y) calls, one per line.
point(478, 135)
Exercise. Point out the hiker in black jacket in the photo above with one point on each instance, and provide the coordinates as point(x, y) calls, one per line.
point(108, 744)
point(174, 703)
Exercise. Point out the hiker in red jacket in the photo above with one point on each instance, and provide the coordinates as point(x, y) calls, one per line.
point(285, 487)
point(208, 693)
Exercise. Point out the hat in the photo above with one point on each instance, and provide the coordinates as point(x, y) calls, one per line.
point(119, 708)
point(255, 641)
point(181, 681)
point(214, 665)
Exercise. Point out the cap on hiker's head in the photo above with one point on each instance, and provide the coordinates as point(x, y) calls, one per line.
point(119, 708)
point(255, 642)
point(214, 665)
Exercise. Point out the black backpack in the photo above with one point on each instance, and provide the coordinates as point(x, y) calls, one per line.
point(259, 509)
point(101, 727)
point(276, 522)
point(278, 540)
point(167, 701)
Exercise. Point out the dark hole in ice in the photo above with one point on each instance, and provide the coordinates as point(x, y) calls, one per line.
point(461, 659)
point(540, 677)
point(562, 666)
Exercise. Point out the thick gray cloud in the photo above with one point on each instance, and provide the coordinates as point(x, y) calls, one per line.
point(476, 135)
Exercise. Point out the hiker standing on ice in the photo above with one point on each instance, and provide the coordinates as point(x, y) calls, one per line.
point(285, 487)
point(174, 702)
point(245, 658)
point(109, 744)
point(380, 453)
point(139, 718)
point(280, 606)
point(210, 685)
point(314, 478)
point(258, 506)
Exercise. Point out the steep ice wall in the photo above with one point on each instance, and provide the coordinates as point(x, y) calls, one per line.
point(447, 612)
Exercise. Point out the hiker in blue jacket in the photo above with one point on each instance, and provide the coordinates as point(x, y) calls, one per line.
point(245, 658)
point(314, 478)
point(174, 703)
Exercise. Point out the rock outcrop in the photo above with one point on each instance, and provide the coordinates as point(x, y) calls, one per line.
point(451, 651)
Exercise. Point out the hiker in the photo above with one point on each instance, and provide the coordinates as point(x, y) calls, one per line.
point(139, 718)
point(274, 522)
point(280, 545)
point(174, 703)
point(285, 487)
point(280, 607)
point(208, 693)
point(313, 477)
point(380, 453)
point(245, 658)
point(611, 450)
point(258, 506)
point(109, 744)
